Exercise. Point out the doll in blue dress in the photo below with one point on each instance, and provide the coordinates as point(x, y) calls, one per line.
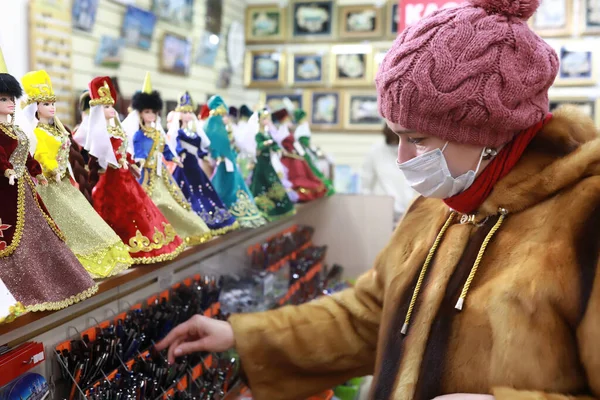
point(191, 144)
point(226, 179)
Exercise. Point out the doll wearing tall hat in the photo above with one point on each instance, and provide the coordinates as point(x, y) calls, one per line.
point(36, 265)
point(149, 145)
point(192, 146)
point(244, 136)
point(117, 196)
point(98, 248)
point(227, 180)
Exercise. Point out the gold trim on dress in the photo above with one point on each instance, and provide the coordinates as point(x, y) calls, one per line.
point(162, 257)
point(226, 229)
point(221, 111)
point(141, 243)
point(59, 305)
point(13, 312)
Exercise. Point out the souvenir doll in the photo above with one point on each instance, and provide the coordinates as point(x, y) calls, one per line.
point(35, 264)
point(244, 136)
point(192, 146)
point(118, 197)
point(302, 134)
point(269, 193)
point(304, 182)
point(96, 245)
point(149, 141)
point(227, 180)
point(276, 125)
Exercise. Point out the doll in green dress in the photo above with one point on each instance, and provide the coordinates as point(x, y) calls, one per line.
point(269, 193)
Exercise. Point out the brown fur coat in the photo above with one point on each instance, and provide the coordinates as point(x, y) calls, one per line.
point(530, 326)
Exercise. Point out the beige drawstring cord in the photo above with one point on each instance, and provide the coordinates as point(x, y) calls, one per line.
point(430, 255)
point(490, 235)
point(461, 300)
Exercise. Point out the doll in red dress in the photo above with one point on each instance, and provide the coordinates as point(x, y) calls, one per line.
point(118, 197)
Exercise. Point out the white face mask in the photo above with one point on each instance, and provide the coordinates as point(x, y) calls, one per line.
point(429, 175)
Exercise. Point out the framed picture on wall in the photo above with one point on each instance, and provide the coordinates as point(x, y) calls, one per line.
point(138, 28)
point(264, 68)
point(361, 112)
point(174, 11)
point(265, 24)
point(110, 52)
point(553, 18)
point(578, 65)
point(363, 21)
point(351, 66)
point(275, 100)
point(307, 69)
point(208, 48)
point(591, 16)
point(175, 54)
point(588, 106)
point(324, 110)
point(312, 19)
point(83, 14)
point(393, 19)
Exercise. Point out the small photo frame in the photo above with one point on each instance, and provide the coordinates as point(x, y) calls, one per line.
point(591, 17)
point(578, 65)
point(83, 14)
point(588, 106)
point(307, 69)
point(553, 18)
point(393, 20)
point(176, 12)
point(264, 68)
point(312, 20)
point(208, 48)
point(265, 24)
point(361, 112)
point(325, 110)
point(364, 21)
point(351, 65)
point(175, 54)
point(274, 100)
point(138, 28)
point(110, 52)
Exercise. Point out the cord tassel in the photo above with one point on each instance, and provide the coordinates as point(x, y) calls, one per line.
point(430, 255)
point(463, 295)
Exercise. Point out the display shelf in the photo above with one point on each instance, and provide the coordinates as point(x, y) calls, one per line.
point(134, 279)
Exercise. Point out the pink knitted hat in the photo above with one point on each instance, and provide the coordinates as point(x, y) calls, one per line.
point(472, 74)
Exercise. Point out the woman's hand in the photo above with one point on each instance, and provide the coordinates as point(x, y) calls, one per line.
point(199, 333)
point(465, 396)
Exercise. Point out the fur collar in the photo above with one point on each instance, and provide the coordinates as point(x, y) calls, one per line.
point(566, 151)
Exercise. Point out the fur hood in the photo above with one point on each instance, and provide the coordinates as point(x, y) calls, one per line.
point(507, 305)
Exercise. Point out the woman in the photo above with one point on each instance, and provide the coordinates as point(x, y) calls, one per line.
point(192, 146)
point(149, 148)
point(118, 197)
point(227, 180)
point(96, 245)
point(36, 266)
point(492, 291)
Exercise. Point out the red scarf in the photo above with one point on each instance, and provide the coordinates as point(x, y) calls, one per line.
point(470, 200)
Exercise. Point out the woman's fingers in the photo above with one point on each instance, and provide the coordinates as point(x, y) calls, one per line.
point(183, 330)
point(191, 347)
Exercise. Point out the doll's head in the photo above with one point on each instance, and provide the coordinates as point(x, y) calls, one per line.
point(148, 105)
point(10, 90)
point(109, 112)
point(46, 110)
point(148, 116)
point(186, 117)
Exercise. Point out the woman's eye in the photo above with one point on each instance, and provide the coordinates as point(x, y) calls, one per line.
point(3, 99)
point(415, 140)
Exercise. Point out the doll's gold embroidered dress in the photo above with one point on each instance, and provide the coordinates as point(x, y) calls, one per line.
point(98, 248)
point(35, 264)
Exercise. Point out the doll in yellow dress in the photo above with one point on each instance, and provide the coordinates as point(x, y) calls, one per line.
point(98, 248)
point(149, 142)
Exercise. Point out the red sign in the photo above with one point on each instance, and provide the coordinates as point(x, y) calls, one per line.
point(412, 11)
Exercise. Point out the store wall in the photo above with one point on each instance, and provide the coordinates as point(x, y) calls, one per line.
point(201, 81)
point(349, 147)
point(14, 37)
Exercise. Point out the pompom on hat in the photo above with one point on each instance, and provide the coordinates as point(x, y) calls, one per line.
point(474, 74)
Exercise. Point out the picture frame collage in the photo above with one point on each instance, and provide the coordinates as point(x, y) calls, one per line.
point(320, 20)
point(334, 81)
point(353, 110)
point(576, 39)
